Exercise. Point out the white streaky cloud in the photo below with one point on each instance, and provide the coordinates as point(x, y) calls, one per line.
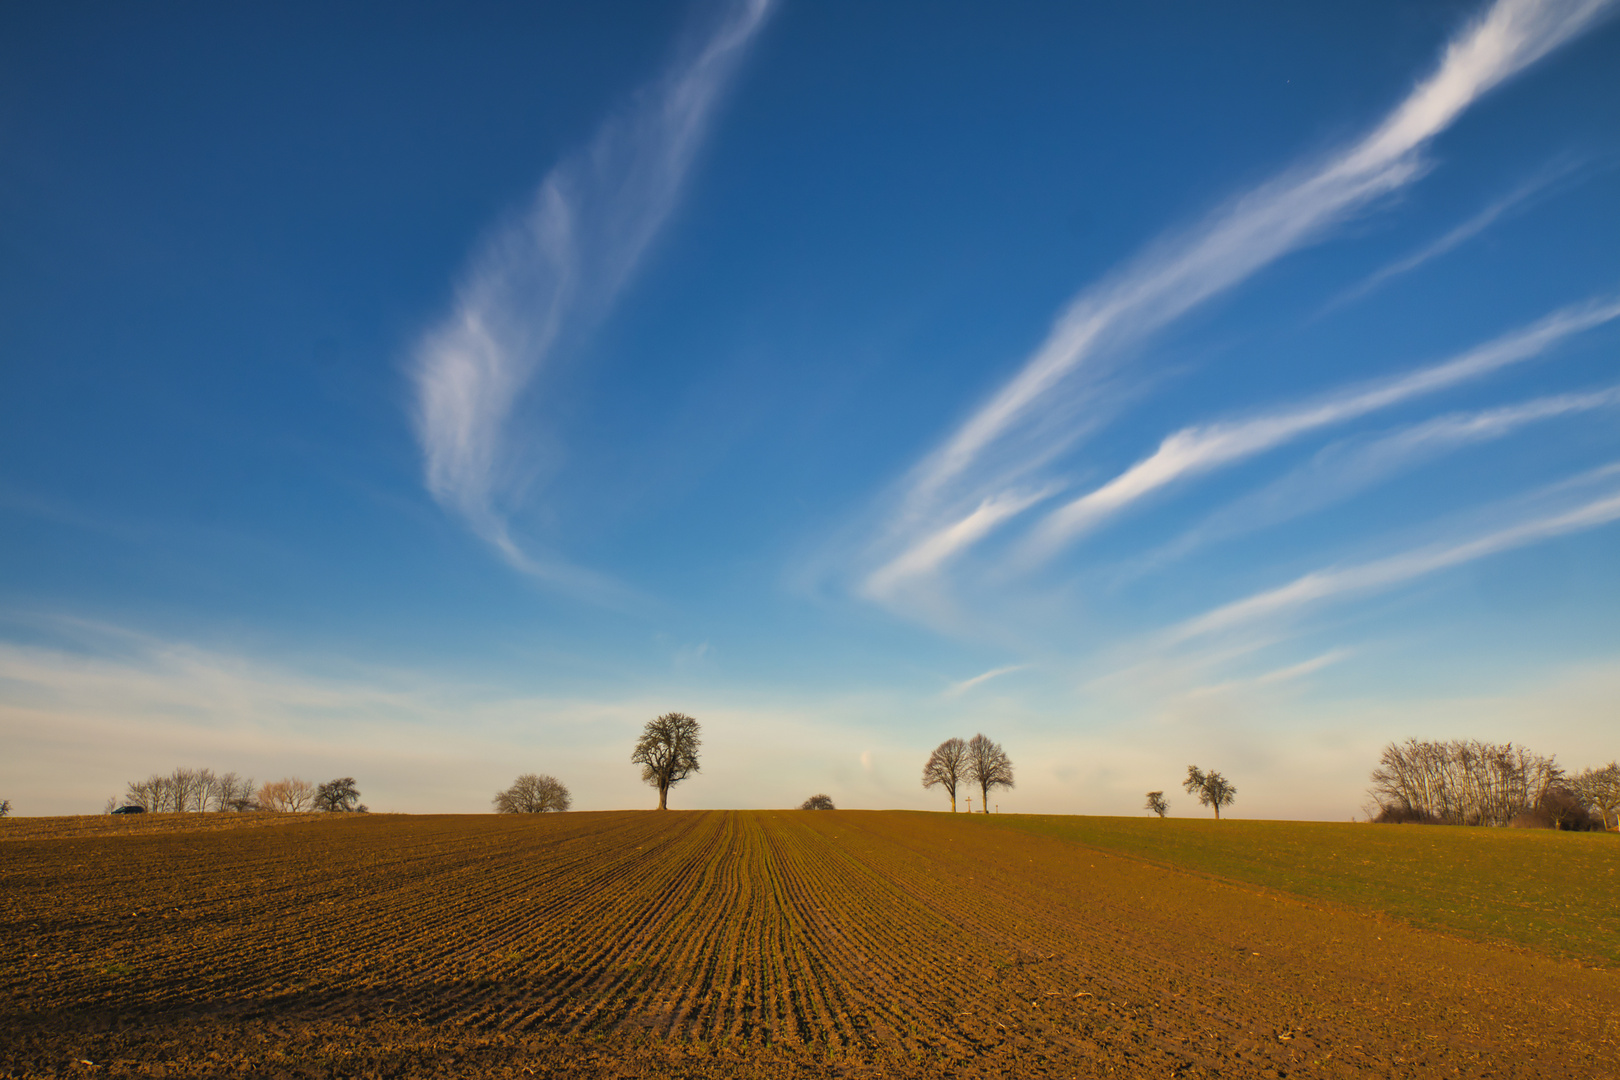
point(1201, 449)
point(1324, 585)
point(930, 553)
point(958, 689)
point(1023, 426)
point(1273, 677)
point(1514, 200)
point(542, 279)
point(1344, 469)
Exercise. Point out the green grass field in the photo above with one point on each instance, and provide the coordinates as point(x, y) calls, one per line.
point(1557, 893)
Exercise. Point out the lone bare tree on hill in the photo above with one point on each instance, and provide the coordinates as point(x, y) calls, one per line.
point(533, 793)
point(946, 767)
point(988, 766)
point(1212, 788)
point(818, 802)
point(1157, 803)
point(667, 752)
point(339, 796)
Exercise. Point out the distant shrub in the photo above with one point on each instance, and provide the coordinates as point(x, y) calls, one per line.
point(818, 802)
point(1404, 815)
point(1564, 810)
point(1557, 809)
point(534, 793)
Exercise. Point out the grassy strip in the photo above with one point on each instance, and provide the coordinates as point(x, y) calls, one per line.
point(1556, 893)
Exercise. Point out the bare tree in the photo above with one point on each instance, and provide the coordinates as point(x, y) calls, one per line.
point(161, 794)
point(818, 802)
point(1157, 803)
point(5, 807)
point(232, 792)
point(204, 790)
point(988, 766)
point(1599, 791)
point(289, 795)
point(144, 793)
point(339, 796)
point(533, 793)
point(946, 767)
point(667, 752)
point(192, 790)
point(1211, 788)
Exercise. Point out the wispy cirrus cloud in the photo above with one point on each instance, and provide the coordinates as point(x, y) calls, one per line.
point(1196, 450)
point(1514, 201)
point(1344, 469)
point(935, 550)
point(1029, 422)
point(959, 688)
point(1325, 585)
point(546, 276)
point(1287, 674)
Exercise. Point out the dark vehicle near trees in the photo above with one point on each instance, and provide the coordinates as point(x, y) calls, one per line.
point(130, 810)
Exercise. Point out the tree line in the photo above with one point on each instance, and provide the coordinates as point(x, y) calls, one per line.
point(667, 752)
point(1471, 782)
point(202, 790)
point(1461, 782)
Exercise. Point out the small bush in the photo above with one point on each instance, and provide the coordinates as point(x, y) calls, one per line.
point(1404, 815)
point(1564, 810)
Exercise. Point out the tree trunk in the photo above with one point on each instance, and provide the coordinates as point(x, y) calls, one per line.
point(1217, 811)
point(663, 796)
point(953, 808)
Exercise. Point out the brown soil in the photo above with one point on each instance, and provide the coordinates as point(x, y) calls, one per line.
point(733, 944)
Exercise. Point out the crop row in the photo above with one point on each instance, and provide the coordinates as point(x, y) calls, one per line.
point(913, 937)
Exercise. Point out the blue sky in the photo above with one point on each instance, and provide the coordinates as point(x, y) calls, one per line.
point(432, 394)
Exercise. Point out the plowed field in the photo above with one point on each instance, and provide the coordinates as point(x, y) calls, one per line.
point(746, 944)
